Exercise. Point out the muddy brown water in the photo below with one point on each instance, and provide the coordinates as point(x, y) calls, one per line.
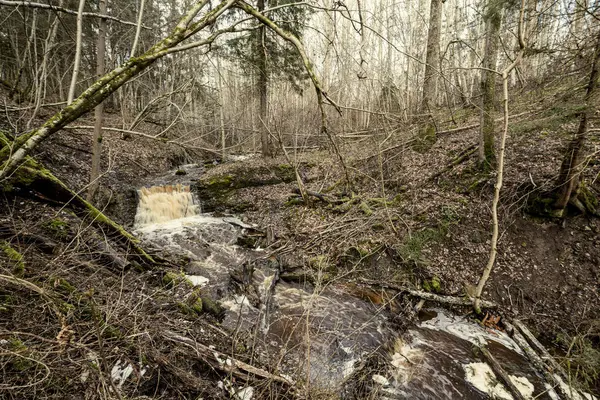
point(327, 336)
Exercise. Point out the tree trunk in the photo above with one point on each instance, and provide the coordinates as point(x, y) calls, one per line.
point(493, 17)
point(221, 106)
point(43, 75)
point(262, 86)
point(11, 156)
point(138, 28)
point(570, 170)
point(99, 111)
point(432, 60)
point(77, 52)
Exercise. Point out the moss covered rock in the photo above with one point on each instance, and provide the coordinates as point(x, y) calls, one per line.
point(217, 191)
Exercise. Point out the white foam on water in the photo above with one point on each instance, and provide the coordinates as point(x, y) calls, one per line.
point(467, 330)
point(481, 376)
point(407, 360)
point(175, 226)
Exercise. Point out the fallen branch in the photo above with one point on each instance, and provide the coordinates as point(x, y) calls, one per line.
point(31, 4)
point(46, 245)
point(36, 178)
point(407, 142)
point(321, 196)
point(452, 300)
point(499, 371)
point(464, 156)
point(153, 137)
point(225, 363)
point(545, 355)
point(556, 381)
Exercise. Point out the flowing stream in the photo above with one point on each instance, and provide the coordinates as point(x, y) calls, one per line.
point(327, 336)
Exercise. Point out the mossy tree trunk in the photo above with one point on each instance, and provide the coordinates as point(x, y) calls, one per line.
point(493, 19)
point(569, 178)
point(432, 60)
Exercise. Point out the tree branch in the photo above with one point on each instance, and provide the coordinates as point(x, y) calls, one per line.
point(32, 4)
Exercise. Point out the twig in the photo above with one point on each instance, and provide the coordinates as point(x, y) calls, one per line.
point(64, 10)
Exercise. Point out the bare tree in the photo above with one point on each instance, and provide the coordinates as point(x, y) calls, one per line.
point(99, 111)
point(499, 178)
point(432, 59)
point(262, 85)
point(77, 60)
point(493, 20)
point(569, 178)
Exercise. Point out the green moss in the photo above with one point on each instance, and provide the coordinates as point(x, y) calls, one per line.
point(15, 258)
point(294, 201)
point(221, 181)
point(172, 279)
point(364, 207)
point(17, 362)
point(412, 249)
point(180, 172)
point(111, 332)
point(434, 285)
point(57, 228)
point(425, 139)
point(197, 305)
point(319, 262)
point(185, 309)
point(542, 205)
point(587, 197)
point(63, 286)
point(212, 307)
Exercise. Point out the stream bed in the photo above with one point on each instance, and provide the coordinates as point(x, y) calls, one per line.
point(325, 335)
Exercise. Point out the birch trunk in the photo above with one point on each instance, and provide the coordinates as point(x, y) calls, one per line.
point(77, 52)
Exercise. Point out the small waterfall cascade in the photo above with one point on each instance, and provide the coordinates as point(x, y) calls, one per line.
point(158, 204)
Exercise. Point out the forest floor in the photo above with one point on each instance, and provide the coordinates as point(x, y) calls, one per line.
point(411, 218)
point(423, 219)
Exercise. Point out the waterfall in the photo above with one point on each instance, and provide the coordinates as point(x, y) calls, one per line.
point(164, 203)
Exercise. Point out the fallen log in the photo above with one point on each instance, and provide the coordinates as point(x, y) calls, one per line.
point(225, 363)
point(555, 380)
point(500, 372)
point(545, 355)
point(452, 300)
